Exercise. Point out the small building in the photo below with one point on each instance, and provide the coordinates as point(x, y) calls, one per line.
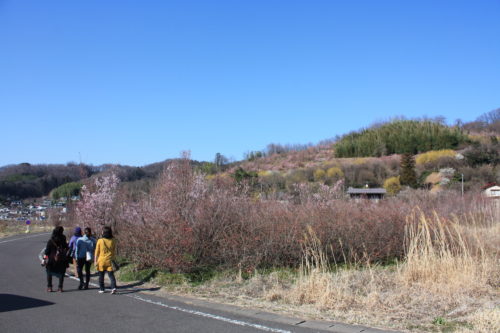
point(366, 193)
point(492, 191)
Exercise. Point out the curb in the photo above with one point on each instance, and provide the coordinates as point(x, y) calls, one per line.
point(272, 317)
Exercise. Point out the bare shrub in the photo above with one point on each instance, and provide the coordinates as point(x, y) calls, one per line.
point(157, 230)
point(187, 222)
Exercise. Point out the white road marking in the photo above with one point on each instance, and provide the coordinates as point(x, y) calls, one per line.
point(209, 315)
point(198, 313)
point(77, 279)
point(12, 240)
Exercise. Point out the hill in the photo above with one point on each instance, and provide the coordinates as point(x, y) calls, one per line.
point(24, 180)
point(368, 156)
point(373, 155)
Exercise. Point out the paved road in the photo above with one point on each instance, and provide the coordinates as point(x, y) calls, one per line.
point(25, 306)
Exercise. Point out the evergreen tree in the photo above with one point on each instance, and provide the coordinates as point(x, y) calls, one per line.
point(408, 176)
point(242, 175)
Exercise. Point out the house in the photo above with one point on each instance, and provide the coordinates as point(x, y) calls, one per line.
point(366, 193)
point(492, 191)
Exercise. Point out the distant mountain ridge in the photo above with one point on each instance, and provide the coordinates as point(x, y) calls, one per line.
point(293, 163)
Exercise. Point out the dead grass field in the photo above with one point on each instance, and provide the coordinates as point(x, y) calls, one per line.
point(10, 228)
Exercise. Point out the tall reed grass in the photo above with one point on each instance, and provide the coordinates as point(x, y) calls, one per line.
point(450, 269)
point(447, 256)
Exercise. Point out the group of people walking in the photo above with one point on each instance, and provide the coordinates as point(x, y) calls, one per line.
point(82, 250)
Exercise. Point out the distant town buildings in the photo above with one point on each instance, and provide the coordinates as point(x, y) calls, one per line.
point(18, 210)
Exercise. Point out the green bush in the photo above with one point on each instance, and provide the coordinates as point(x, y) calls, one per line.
point(398, 137)
point(66, 190)
point(242, 175)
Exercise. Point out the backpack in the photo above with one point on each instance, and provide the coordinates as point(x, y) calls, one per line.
point(61, 254)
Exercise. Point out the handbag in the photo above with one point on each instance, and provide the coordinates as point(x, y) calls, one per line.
point(44, 261)
point(115, 265)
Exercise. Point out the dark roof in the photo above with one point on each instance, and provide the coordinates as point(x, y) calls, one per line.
point(487, 186)
point(352, 190)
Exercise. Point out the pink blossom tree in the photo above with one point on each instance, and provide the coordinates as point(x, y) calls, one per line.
point(95, 209)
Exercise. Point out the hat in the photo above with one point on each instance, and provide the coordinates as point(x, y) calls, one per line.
point(78, 231)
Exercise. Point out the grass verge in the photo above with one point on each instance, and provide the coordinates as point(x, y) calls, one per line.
point(11, 228)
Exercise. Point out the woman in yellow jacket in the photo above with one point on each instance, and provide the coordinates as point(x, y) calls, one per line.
point(104, 256)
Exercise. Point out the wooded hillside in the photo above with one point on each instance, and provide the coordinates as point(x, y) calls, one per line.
point(399, 137)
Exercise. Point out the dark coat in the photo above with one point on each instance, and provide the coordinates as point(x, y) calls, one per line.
point(57, 267)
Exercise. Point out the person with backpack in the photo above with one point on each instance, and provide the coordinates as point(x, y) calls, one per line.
point(56, 257)
point(72, 244)
point(104, 257)
point(84, 253)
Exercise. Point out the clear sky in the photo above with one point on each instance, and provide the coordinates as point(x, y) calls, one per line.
point(137, 82)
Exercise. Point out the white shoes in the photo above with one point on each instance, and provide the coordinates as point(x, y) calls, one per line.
point(113, 291)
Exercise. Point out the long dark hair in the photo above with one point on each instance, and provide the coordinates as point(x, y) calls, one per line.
point(107, 232)
point(57, 232)
point(58, 235)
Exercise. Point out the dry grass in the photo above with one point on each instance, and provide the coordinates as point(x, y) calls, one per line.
point(449, 281)
point(10, 228)
point(483, 321)
point(446, 257)
point(448, 273)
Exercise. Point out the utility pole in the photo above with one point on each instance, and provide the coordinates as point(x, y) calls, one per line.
point(462, 184)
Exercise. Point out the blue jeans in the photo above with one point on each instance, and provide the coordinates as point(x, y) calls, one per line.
point(111, 276)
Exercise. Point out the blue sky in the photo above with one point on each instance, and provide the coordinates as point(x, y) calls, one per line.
point(137, 82)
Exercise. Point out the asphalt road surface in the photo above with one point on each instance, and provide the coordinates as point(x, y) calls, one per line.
point(26, 306)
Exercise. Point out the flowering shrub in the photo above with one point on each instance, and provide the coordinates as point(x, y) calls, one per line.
point(392, 185)
point(188, 222)
point(95, 209)
point(434, 155)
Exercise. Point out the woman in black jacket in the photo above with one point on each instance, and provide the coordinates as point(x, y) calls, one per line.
point(56, 258)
